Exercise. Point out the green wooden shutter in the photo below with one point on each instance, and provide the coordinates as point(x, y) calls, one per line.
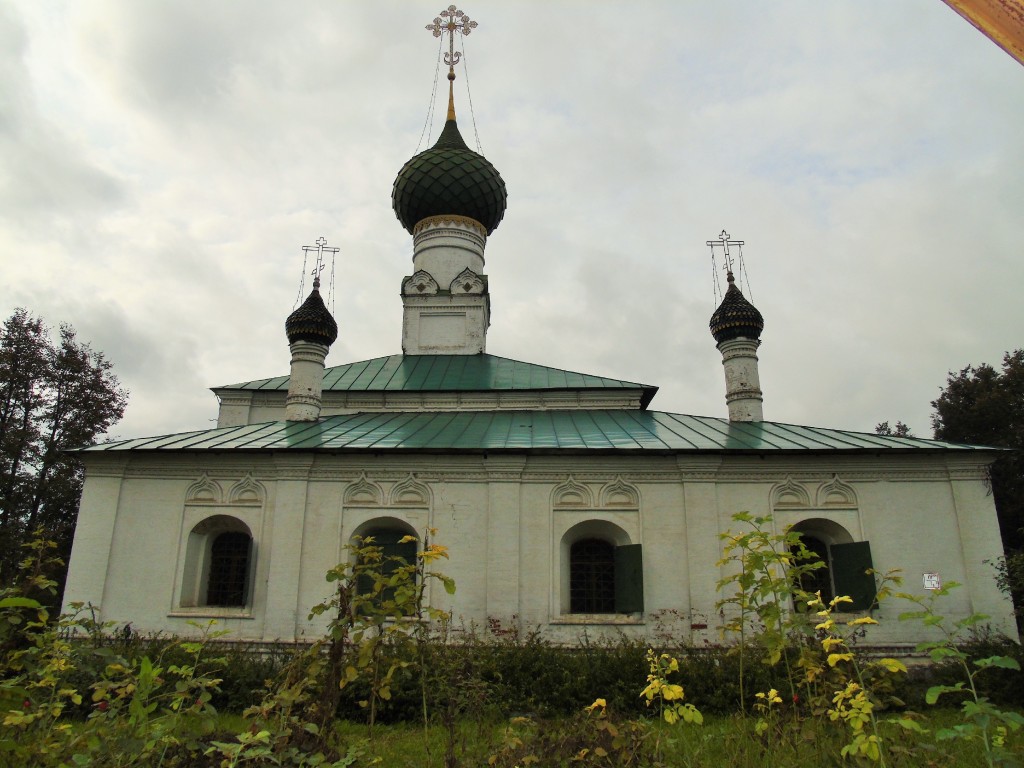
point(629, 579)
point(850, 563)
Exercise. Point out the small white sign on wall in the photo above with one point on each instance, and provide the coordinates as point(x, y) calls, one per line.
point(932, 581)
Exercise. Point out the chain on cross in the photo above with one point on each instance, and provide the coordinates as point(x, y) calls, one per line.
point(451, 21)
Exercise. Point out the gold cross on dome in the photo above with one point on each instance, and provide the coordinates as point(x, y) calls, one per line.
point(451, 21)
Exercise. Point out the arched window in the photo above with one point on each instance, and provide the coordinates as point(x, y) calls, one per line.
point(848, 565)
point(228, 582)
point(592, 576)
point(602, 572)
point(820, 579)
point(395, 553)
point(219, 556)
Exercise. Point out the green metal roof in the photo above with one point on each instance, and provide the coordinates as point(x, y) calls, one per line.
point(450, 373)
point(568, 430)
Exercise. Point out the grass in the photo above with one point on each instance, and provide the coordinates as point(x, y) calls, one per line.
point(722, 740)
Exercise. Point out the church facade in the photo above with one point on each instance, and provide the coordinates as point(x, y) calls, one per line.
point(565, 502)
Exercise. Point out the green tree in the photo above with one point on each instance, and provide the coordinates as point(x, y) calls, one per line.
point(899, 430)
point(985, 406)
point(54, 395)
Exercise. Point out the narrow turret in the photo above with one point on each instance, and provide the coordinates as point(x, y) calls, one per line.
point(736, 326)
point(311, 330)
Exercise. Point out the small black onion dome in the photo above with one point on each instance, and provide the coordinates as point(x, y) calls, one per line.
point(311, 322)
point(449, 179)
point(735, 317)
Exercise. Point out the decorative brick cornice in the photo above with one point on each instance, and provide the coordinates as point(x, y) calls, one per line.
point(448, 221)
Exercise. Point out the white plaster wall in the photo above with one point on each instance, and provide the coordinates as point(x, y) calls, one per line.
point(460, 517)
point(445, 250)
point(445, 324)
point(667, 547)
point(742, 382)
point(321, 551)
point(535, 547)
point(498, 518)
point(144, 552)
point(234, 409)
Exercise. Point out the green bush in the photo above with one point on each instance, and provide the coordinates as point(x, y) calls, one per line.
point(1004, 687)
point(524, 673)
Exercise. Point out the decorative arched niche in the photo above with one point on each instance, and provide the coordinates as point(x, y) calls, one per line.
point(572, 495)
point(836, 494)
point(619, 494)
point(790, 495)
point(420, 283)
point(362, 492)
point(467, 282)
point(247, 491)
point(204, 491)
point(409, 492)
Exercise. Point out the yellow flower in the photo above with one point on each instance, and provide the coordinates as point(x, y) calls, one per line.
point(892, 665)
point(598, 704)
point(835, 658)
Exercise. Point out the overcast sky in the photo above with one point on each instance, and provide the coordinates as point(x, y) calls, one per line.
point(163, 163)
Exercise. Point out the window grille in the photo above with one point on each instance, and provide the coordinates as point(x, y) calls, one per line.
point(229, 569)
point(592, 577)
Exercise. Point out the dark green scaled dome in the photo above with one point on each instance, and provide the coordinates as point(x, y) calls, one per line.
point(735, 317)
point(312, 322)
point(449, 179)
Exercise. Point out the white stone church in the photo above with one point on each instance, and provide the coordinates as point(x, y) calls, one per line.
point(565, 501)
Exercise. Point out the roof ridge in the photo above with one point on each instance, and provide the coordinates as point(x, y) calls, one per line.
point(532, 430)
point(480, 372)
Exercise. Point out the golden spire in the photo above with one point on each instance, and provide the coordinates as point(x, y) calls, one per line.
point(451, 94)
point(451, 21)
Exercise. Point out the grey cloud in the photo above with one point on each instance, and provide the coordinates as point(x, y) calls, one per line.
point(42, 172)
point(876, 189)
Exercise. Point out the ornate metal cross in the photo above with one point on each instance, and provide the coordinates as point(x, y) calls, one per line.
point(320, 248)
point(452, 21)
point(724, 240)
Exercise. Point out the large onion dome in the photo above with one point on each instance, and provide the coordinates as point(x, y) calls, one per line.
point(312, 322)
point(449, 179)
point(735, 317)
